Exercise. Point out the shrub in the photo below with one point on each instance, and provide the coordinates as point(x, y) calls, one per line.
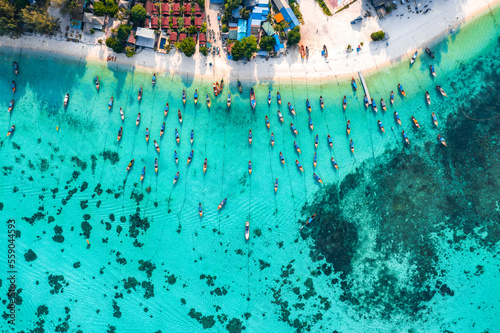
point(378, 35)
point(188, 46)
point(124, 31)
point(267, 43)
point(129, 51)
point(114, 44)
point(204, 28)
point(225, 28)
point(99, 8)
point(92, 31)
point(192, 29)
point(204, 50)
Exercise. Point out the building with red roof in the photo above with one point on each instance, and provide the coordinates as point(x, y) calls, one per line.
point(165, 9)
point(182, 36)
point(154, 23)
point(198, 22)
point(203, 39)
point(149, 7)
point(187, 9)
point(173, 37)
point(164, 22)
point(187, 22)
point(174, 22)
point(175, 9)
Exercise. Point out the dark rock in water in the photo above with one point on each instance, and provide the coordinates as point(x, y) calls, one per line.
point(50, 219)
point(111, 156)
point(257, 232)
point(58, 238)
point(263, 264)
point(84, 204)
point(112, 217)
point(70, 194)
point(56, 282)
point(75, 175)
point(44, 165)
point(42, 310)
point(86, 217)
point(171, 279)
point(445, 290)
point(235, 326)
point(77, 264)
point(84, 186)
point(137, 224)
point(36, 217)
point(79, 163)
point(130, 283)
point(148, 289)
point(108, 226)
point(63, 327)
point(136, 243)
point(86, 227)
point(148, 189)
point(205, 321)
point(30, 255)
point(116, 310)
point(136, 196)
point(147, 266)
point(94, 163)
point(1, 206)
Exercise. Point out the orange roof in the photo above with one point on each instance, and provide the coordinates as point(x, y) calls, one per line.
point(279, 17)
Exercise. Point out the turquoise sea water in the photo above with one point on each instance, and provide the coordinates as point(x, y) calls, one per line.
point(405, 238)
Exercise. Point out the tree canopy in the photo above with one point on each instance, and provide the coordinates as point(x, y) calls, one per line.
point(123, 32)
point(39, 21)
point(138, 13)
point(245, 47)
point(376, 36)
point(114, 44)
point(294, 36)
point(66, 6)
point(188, 46)
point(267, 43)
point(8, 21)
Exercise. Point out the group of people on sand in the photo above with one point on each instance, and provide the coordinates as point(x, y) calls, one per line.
point(110, 58)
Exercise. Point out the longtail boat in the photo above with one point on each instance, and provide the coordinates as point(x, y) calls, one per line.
point(441, 139)
point(120, 132)
point(252, 98)
point(130, 164)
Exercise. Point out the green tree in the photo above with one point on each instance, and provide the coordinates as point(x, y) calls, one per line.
point(66, 6)
point(204, 28)
point(225, 28)
point(114, 44)
point(99, 8)
point(123, 32)
point(192, 29)
point(138, 13)
point(39, 21)
point(245, 47)
point(294, 36)
point(129, 51)
point(204, 50)
point(244, 13)
point(8, 21)
point(111, 8)
point(376, 36)
point(267, 43)
point(188, 46)
point(201, 3)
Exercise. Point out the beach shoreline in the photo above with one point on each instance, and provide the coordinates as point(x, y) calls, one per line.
point(340, 64)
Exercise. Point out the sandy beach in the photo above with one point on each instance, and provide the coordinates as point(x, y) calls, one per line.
point(408, 31)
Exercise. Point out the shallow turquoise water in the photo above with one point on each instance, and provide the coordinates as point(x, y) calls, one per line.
point(405, 238)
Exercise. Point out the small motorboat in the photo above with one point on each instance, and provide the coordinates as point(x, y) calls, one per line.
point(16, 68)
point(316, 140)
point(296, 146)
point(110, 103)
point(205, 165)
point(405, 137)
point(147, 134)
point(156, 165)
point(433, 71)
point(162, 130)
point(280, 116)
point(157, 147)
point(13, 127)
point(336, 166)
point(434, 119)
point(351, 145)
point(330, 142)
point(302, 51)
point(441, 139)
point(344, 102)
point(138, 120)
point(315, 159)
point(299, 166)
point(269, 97)
point(311, 126)
point(250, 137)
point(278, 97)
point(308, 105)
point(413, 58)
point(176, 157)
point(179, 115)
point(96, 81)
point(176, 177)
point(139, 95)
point(282, 158)
point(428, 97)
point(165, 111)
point(247, 230)
point(272, 140)
point(276, 185)
point(130, 164)
point(222, 203)
point(401, 89)
point(183, 96)
point(366, 101)
point(13, 86)
point(441, 91)
point(290, 107)
point(429, 52)
point(250, 167)
point(252, 98)
point(240, 88)
point(396, 115)
point(192, 136)
point(311, 218)
point(317, 178)
point(353, 83)
point(143, 173)
point(208, 101)
point(190, 157)
point(229, 100)
point(392, 97)
point(177, 138)
point(153, 80)
point(292, 126)
point(374, 105)
point(66, 100)
point(381, 126)
point(122, 115)
point(415, 122)
point(11, 105)
point(200, 209)
point(321, 102)
point(325, 51)
point(348, 126)
point(267, 122)
point(382, 103)
point(196, 96)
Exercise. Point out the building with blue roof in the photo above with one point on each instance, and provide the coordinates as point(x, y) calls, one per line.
point(290, 17)
point(242, 29)
point(278, 47)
